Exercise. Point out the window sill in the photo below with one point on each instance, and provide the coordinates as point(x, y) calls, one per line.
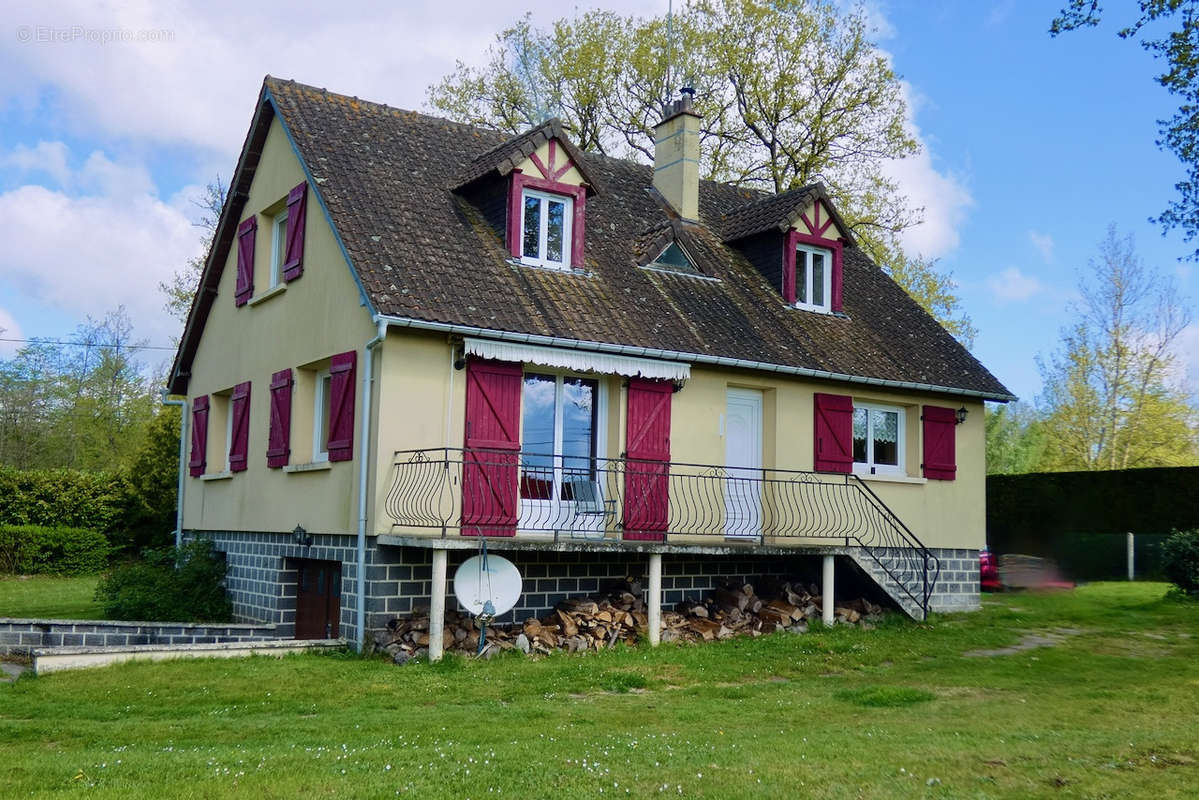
point(216, 476)
point(267, 295)
point(885, 478)
point(312, 466)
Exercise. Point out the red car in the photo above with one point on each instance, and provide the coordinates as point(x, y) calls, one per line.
point(988, 573)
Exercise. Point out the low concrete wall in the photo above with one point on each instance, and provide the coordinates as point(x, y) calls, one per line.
point(57, 659)
point(20, 636)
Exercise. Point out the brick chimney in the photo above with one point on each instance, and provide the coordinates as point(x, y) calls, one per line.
point(676, 156)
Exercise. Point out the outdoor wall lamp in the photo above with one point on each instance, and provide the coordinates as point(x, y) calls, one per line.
point(960, 415)
point(303, 538)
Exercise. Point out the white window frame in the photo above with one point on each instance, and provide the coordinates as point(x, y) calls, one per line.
point(868, 467)
point(555, 512)
point(543, 232)
point(803, 277)
point(320, 420)
point(228, 398)
point(278, 247)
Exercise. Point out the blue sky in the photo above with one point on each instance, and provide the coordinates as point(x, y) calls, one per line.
point(113, 116)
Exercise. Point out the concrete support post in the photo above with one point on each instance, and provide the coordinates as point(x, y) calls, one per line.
point(1132, 566)
point(654, 599)
point(828, 602)
point(437, 605)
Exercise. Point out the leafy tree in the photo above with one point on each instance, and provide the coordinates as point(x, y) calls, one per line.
point(181, 288)
point(154, 480)
point(1112, 393)
point(791, 91)
point(1015, 437)
point(82, 404)
point(1179, 48)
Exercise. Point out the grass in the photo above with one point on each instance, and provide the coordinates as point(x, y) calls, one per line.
point(900, 711)
point(49, 597)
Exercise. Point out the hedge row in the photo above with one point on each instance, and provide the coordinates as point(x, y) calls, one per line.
point(98, 501)
point(33, 549)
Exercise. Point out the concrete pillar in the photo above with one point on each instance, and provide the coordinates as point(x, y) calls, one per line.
point(654, 599)
point(828, 602)
point(1132, 567)
point(437, 605)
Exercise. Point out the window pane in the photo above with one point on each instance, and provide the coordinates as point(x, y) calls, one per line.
point(555, 231)
point(324, 421)
point(860, 421)
point(801, 276)
point(578, 431)
point(532, 240)
point(817, 278)
point(537, 438)
point(885, 425)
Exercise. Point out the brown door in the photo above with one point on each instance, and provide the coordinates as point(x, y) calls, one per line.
point(318, 599)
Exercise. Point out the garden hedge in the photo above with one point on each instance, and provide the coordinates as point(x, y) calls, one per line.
point(1081, 519)
point(33, 549)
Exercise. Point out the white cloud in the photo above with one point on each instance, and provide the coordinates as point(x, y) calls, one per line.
point(1044, 244)
point(196, 86)
point(49, 158)
point(1187, 348)
point(9, 329)
point(1012, 285)
point(88, 250)
point(943, 195)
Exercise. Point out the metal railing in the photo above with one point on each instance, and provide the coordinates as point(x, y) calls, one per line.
point(505, 492)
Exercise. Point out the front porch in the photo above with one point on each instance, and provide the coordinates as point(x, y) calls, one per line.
point(447, 499)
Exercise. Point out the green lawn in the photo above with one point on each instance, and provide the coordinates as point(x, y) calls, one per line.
point(49, 597)
point(1111, 712)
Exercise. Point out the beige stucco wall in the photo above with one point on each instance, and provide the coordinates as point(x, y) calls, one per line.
point(571, 176)
point(818, 216)
point(303, 324)
point(420, 409)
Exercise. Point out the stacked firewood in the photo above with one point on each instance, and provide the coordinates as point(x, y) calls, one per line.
point(619, 615)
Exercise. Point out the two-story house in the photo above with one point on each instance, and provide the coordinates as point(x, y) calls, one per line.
point(412, 335)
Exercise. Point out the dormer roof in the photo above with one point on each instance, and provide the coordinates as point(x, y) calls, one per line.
point(510, 154)
point(779, 212)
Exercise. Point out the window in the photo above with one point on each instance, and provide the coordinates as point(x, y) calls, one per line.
point(558, 437)
point(545, 229)
point(878, 434)
point(278, 247)
point(322, 402)
point(674, 259)
point(813, 278)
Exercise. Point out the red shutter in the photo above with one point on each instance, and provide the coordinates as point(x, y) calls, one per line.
point(838, 280)
point(239, 438)
point(492, 448)
point(939, 451)
point(278, 448)
point(245, 261)
point(647, 473)
point(834, 433)
point(297, 204)
point(199, 459)
point(341, 405)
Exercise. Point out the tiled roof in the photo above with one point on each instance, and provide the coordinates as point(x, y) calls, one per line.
point(774, 212)
point(507, 156)
point(422, 251)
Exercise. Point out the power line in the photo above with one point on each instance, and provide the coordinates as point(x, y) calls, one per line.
point(90, 344)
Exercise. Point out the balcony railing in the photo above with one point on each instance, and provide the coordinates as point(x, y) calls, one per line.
point(504, 492)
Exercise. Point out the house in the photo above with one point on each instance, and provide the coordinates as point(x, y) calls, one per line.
point(413, 336)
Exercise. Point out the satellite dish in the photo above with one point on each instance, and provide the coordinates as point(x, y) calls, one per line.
point(498, 583)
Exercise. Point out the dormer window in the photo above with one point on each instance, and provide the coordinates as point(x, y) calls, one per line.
point(813, 278)
point(545, 233)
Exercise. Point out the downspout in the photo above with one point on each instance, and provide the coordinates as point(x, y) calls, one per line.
point(363, 477)
point(182, 404)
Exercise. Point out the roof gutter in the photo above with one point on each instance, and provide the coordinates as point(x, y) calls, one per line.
point(676, 355)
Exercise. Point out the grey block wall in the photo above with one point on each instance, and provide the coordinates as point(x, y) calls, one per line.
point(261, 576)
point(22, 635)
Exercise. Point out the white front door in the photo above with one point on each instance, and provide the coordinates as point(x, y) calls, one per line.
point(743, 462)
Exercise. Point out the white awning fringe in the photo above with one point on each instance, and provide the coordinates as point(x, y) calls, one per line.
point(578, 360)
